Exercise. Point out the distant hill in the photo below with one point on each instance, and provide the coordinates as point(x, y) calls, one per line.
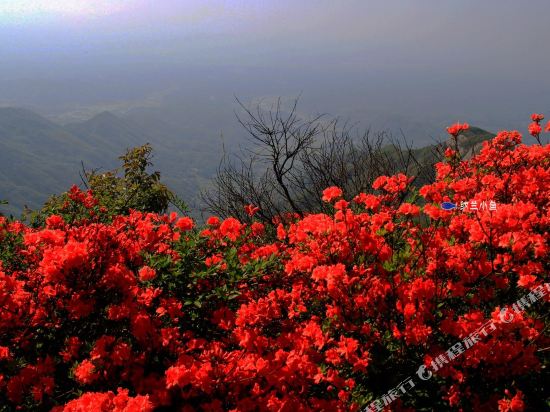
point(469, 143)
point(39, 157)
point(108, 131)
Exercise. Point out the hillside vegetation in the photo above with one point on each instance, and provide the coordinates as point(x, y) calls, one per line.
point(39, 158)
point(381, 301)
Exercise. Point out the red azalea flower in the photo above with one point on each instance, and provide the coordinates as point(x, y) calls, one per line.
point(534, 129)
point(231, 228)
point(213, 221)
point(457, 128)
point(4, 352)
point(146, 273)
point(185, 223)
point(537, 118)
point(251, 210)
point(85, 373)
point(331, 193)
point(449, 153)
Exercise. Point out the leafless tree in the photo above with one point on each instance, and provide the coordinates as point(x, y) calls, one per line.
point(291, 160)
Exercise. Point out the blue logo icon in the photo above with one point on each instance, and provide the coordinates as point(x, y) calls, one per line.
point(448, 206)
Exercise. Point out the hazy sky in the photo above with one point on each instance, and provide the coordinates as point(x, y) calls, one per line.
point(456, 35)
point(485, 59)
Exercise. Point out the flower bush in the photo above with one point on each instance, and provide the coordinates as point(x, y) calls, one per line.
point(324, 312)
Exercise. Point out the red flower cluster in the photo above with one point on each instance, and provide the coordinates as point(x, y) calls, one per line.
point(331, 193)
point(536, 117)
point(535, 128)
point(251, 210)
point(146, 311)
point(108, 402)
point(457, 128)
point(515, 404)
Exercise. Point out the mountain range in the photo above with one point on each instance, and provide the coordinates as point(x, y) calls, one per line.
point(39, 157)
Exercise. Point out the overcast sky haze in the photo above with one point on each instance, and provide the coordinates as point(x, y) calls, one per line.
point(484, 61)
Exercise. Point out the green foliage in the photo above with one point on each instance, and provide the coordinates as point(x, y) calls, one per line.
point(116, 192)
point(10, 259)
point(203, 288)
point(135, 189)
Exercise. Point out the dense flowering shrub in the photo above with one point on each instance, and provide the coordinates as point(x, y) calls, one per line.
point(323, 312)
